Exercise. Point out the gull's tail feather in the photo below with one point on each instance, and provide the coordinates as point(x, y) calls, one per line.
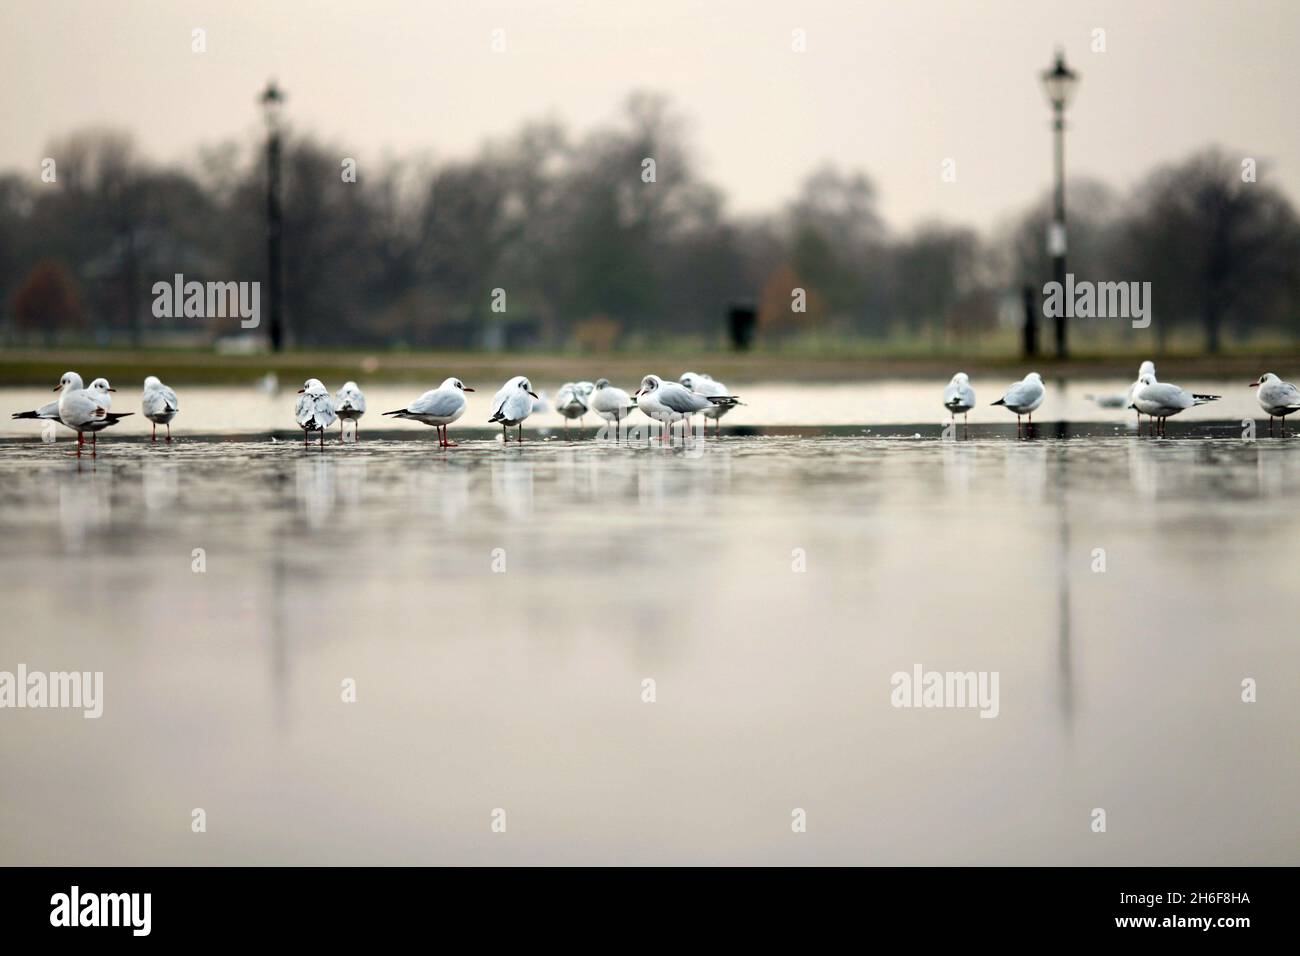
point(112, 418)
point(1000, 401)
point(396, 411)
point(25, 415)
point(726, 401)
point(1202, 399)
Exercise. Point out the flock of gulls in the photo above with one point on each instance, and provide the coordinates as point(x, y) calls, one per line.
point(89, 410)
point(1148, 396)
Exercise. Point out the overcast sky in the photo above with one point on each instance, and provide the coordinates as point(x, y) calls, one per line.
point(892, 88)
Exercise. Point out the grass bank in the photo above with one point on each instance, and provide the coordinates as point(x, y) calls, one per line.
point(189, 367)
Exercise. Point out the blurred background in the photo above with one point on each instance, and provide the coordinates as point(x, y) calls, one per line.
point(382, 168)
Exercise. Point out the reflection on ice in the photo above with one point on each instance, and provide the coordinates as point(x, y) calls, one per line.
point(85, 502)
point(770, 586)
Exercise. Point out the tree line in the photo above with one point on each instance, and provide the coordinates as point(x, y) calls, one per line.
point(609, 239)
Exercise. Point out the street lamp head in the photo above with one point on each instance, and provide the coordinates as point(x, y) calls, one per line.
point(272, 101)
point(1060, 82)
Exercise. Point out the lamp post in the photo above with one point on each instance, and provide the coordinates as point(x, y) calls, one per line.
point(1059, 83)
point(272, 101)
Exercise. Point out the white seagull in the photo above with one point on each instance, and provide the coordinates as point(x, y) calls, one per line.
point(1277, 397)
point(959, 397)
point(669, 402)
point(70, 381)
point(512, 404)
point(350, 405)
point(573, 401)
point(610, 403)
point(438, 407)
point(1145, 370)
point(87, 410)
point(1023, 397)
point(315, 410)
point(1160, 400)
point(159, 405)
point(702, 384)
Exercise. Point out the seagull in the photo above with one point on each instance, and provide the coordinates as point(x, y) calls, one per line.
point(1277, 397)
point(706, 386)
point(86, 410)
point(512, 404)
point(669, 402)
point(1160, 400)
point(1145, 370)
point(350, 404)
point(70, 381)
point(610, 403)
point(315, 410)
point(1023, 397)
point(572, 400)
point(959, 397)
point(438, 407)
point(160, 405)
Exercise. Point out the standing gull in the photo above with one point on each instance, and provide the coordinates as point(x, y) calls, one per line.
point(87, 410)
point(70, 381)
point(1023, 397)
point(438, 407)
point(1145, 370)
point(573, 401)
point(512, 404)
point(959, 398)
point(669, 402)
point(350, 405)
point(610, 403)
point(704, 385)
point(315, 410)
point(1160, 400)
point(159, 405)
point(1278, 398)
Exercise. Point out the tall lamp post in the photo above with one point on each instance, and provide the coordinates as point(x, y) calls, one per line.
point(1060, 83)
point(272, 101)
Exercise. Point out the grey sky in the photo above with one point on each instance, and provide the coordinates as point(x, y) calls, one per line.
point(892, 88)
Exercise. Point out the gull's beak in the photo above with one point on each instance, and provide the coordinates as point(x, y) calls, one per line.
point(112, 390)
point(301, 390)
point(59, 386)
point(1251, 385)
point(466, 388)
point(534, 394)
point(636, 393)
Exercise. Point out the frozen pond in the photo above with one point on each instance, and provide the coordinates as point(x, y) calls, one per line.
point(500, 609)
